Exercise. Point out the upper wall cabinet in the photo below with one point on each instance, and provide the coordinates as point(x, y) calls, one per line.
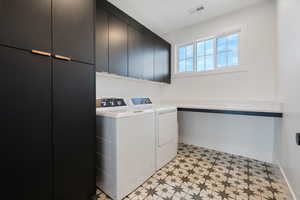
point(162, 59)
point(148, 56)
point(117, 50)
point(140, 54)
point(135, 53)
point(101, 40)
point(26, 24)
point(126, 47)
point(73, 29)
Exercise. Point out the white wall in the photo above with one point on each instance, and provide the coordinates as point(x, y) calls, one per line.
point(258, 53)
point(248, 136)
point(288, 153)
point(117, 86)
point(254, 85)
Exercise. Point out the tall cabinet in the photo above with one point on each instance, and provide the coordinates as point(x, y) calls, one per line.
point(48, 73)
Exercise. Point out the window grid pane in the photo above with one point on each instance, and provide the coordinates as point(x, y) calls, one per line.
point(227, 50)
point(209, 62)
point(200, 49)
point(186, 58)
point(200, 63)
point(205, 55)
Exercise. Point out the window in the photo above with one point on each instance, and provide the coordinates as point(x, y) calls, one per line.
point(186, 58)
point(205, 55)
point(210, 54)
point(227, 51)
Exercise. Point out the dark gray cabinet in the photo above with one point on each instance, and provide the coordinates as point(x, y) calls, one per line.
point(73, 130)
point(101, 28)
point(26, 142)
point(148, 56)
point(162, 61)
point(135, 53)
point(141, 47)
point(31, 25)
point(117, 46)
point(26, 24)
point(73, 29)
point(48, 113)
point(127, 48)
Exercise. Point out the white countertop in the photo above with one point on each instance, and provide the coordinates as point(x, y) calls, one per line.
point(255, 106)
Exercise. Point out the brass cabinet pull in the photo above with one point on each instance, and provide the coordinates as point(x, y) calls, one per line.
point(43, 53)
point(62, 57)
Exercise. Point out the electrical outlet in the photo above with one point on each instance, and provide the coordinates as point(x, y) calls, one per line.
point(298, 138)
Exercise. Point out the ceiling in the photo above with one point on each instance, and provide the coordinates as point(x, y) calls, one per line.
point(164, 16)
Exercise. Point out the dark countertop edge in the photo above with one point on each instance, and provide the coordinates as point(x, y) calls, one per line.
point(233, 112)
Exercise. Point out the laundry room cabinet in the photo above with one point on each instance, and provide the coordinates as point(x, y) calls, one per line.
point(135, 53)
point(162, 59)
point(101, 31)
point(26, 138)
point(127, 48)
point(148, 56)
point(73, 129)
point(117, 45)
point(26, 24)
point(73, 29)
point(48, 95)
point(31, 24)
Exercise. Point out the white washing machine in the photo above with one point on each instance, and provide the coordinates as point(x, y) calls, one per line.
point(125, 147)
point(166, 129)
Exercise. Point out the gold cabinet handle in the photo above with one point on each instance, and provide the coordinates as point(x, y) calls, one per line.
point(62, 57)
point(43, 53)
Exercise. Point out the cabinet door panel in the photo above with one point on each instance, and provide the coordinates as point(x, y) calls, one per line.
point(148, 57)
point(73, 130)
point(135, 53)
point(25, 124)
point(73, 29)
point(117, 46)
point(26, 24)
point(101, 40)
point(162, 62)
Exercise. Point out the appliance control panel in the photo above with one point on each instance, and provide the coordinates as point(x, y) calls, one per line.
point(140, 101)
point(110, 102)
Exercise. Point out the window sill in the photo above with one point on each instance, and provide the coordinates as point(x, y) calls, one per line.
point(236, 69)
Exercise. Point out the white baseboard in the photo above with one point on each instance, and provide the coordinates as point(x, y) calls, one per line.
point(286, 180)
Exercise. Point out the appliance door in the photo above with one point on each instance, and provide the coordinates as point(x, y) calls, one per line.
point(135, 151)
point(167, 127)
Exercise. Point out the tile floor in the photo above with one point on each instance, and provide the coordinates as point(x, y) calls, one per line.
point(204, 174)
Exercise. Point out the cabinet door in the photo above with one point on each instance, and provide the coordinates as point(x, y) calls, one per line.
point(26, 24)
point(73, 130)
point(148, 57)
point(73, 29)
point(162, 62)
point(117, 46)
point(101, 40)
point(25, 124)
point(135, 53)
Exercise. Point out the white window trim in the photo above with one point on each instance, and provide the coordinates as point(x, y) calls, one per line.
point(241, 67)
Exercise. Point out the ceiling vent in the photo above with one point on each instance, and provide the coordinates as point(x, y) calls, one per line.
point(196, 10)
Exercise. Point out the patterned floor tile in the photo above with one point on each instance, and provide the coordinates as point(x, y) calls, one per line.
point(198, 173)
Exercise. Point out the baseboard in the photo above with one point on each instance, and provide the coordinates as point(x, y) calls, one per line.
point(286, 180)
